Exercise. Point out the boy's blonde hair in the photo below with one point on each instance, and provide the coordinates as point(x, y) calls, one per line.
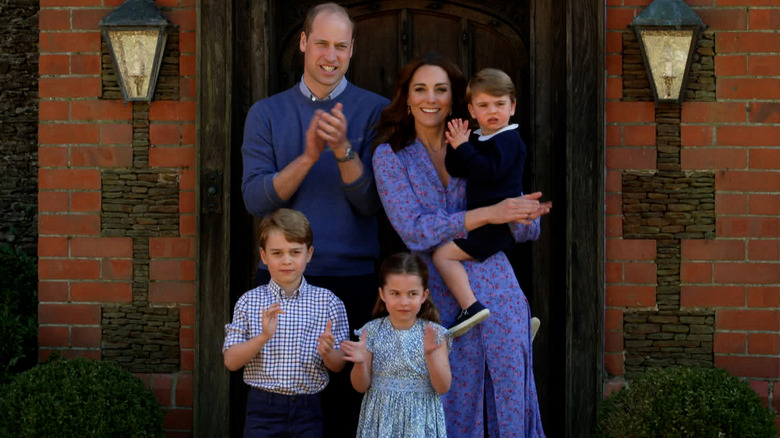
point(491, 81)
point(293, 224)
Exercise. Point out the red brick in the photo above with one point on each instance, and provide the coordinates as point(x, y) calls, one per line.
point(184, 18)
point(88, 19)
point(764, 343)
point(620, 18)
point(68, 134)
point(162, 387)
point(116, 134)
point(765, 158)
point(187, 225)
point(713, 158)
point(68, 269)
point(69, 3)
point(113, 269)
point(101, 110)
point(184, 394)
point(54, 65)
point(748, 88)
point(768, 250)
point(187, 202)
point(764, 65)
point(714, 112)
point(53, 19)
point(614, 203)
point(614, 319)
point(748, 273)
point(764, 19)
point(53, 336)
point(54, 42)
point(764, 205)
point(187, 65)
point(68, 87)
point(615, 41)
point(614, 88)
point(187, 337)
point(748, 227)
point(188, 134)
point(187, 359)
point(613, 363)
point(631, 249)
point(747, 181)
point(85, 337)
point(52, 201)
point(614, 226)
point(746, 42)
point(171, 292)
point(68, 225)
point(165, 269)
point(641, 273)
point(52, 291)
point(102, 156)
point(187, 88)
point(764, 112)
point(172, 157)
point(730, 204)
point(749, 366)
point(630, 112)
point(85, 64)
point(87, 314)
point(763, 296)
point(747, 319)
point(729, 343)
point(613, 341)
point(712, 296)
point(168, 134)
point(187, 316)
point(613, 386)
point(104, 292)
point(614, 181)
point(696, 272)
point(696, 135)
point(730, 65)
point(631, 296)
point(56, 156)
point(178, 419)
point(187, 42)
point(85, 202)
point(188, 270)
point(101, 247)
point(49, 110)
point(69, 179)
point(173, 111)
point(171, 247)
point(52, 246)
point(614, 64)
point(713, 249)
point(642, 135)
point(723, 19)
point(757, 135)
point(187, 179)
point(71, 353)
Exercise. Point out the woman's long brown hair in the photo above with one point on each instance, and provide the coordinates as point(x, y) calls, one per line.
point(396, 125)
point(406, 263)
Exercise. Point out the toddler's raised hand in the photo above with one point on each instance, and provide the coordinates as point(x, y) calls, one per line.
point(430, 343)
point(271, 319)
point(458, 132)
point(356, 352)
point(326, 341)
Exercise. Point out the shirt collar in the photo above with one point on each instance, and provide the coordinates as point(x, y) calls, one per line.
point(489, 136)
point(333, 94)
point(279, 293)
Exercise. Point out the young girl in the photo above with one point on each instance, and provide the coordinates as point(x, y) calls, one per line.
point(401, 361)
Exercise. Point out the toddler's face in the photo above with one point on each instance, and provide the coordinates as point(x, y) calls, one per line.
point(492, 112)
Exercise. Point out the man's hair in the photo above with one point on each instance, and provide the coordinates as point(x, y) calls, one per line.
point(331, 8)
point(491, 81)
point(293, 224)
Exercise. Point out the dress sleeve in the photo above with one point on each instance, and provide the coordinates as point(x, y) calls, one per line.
point(422, 224)
point(525, 233)
point(257, 186)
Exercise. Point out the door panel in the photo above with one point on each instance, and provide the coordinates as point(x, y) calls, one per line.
point(378, 53)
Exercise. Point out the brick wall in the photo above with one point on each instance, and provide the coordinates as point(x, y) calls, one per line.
point(116, 200)
point(724, 280)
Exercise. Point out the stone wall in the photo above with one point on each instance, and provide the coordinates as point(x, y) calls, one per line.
point(19, 122)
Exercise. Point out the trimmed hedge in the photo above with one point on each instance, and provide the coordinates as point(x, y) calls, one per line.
point(18, 312)
point(685, 402)
point(78, 398)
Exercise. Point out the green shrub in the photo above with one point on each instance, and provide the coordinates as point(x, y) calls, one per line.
point(685, 402)
point(18, 312)
point(78, 398)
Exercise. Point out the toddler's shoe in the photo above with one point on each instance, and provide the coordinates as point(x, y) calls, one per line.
point(535, 323)
point(468, 318)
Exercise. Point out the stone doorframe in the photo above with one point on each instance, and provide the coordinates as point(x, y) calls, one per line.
point(569, 36)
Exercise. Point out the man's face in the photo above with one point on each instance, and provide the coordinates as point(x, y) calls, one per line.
point(326, 52)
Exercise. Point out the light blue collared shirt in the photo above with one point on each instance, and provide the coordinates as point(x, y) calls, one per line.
point(333, 94)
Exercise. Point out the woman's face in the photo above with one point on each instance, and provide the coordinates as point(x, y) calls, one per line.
point(430, 96)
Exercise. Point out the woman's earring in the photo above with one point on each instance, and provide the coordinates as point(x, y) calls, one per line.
point(450, 111)
point(408, 109)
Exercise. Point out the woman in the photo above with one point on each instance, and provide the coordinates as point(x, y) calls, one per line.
point(491, 364)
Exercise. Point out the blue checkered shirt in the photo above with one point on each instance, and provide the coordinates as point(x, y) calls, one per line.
point(289, 362)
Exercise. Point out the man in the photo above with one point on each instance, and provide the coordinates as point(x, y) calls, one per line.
point(309, 148)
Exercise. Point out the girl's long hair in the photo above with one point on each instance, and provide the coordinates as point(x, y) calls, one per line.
point(396, 125)
point(406, 263)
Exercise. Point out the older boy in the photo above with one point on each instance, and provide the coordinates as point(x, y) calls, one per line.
point(285, 334)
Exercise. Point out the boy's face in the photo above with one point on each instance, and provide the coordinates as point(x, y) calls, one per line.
point(492, 112)
point(286, 260)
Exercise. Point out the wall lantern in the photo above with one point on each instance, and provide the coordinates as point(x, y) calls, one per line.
point(135, 33)
point(667, 31)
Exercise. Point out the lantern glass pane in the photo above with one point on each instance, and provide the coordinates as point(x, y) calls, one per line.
point(667, 54)
point(134, 51)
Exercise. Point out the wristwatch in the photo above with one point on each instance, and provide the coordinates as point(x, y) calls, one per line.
point(348, 155)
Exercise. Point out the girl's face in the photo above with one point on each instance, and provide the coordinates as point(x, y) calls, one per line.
point(403, 295)
point(430, 96)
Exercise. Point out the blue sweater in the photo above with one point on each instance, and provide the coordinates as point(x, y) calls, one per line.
point(342, 215)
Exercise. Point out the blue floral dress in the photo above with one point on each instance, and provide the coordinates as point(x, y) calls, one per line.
point(400, 402)
point(493, 361)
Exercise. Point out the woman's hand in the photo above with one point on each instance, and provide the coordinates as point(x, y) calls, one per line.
point(523, 209)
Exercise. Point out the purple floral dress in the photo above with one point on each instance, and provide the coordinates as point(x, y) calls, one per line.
point(493, 361)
